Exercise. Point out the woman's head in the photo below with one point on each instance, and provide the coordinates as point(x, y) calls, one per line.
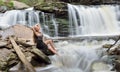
point(37, 27)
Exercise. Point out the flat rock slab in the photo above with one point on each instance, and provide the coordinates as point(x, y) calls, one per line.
point(19, 31)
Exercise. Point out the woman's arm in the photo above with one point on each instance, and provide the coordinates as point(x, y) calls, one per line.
point(36, 33)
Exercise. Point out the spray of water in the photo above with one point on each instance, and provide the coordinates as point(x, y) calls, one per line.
point(78, 57)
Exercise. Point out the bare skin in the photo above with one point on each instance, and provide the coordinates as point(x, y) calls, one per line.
point(49, 43)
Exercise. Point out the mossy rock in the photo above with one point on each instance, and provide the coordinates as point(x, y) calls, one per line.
point(51, 7)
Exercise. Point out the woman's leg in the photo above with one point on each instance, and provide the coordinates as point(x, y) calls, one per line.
point(51, 43)
point(51, 49)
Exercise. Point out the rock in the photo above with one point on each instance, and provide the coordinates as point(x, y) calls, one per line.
point(19, 31)
point(3, 43)
point(41, 55)
point(7, 59)
point(24, 42)
point(116, 51)
point(52, 7)
point(100, 67)
point(3, 9)
point(107, 45)
point(19, 5)
point(117, 65)
point(24, 37)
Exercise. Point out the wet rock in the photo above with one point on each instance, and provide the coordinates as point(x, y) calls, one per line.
point(116, 51)
point(107, 45)
point(100, 67)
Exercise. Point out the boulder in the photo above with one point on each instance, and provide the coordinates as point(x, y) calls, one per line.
point(19, 31)
point(19, 5)
point(7, 59)
point(3, 8)
point(21, 42)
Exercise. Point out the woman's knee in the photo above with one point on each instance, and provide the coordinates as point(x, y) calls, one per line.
point(49, 41)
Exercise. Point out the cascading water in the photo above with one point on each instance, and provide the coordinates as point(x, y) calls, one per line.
point(78, 57)
point(84, 56)
point(13, 17)
point(84, 20)
point(94, 20)
point(81, 56)
point(29, 18)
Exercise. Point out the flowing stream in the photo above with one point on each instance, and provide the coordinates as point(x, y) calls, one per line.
point(75, 56)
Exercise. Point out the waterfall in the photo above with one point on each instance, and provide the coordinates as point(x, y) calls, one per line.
point(74, 56)
point(13, 17)
point(94, 20)
point(100, 20)
point(30, 18)
point(55, 26)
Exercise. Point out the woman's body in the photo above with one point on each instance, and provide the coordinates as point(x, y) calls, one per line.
point(43, 44)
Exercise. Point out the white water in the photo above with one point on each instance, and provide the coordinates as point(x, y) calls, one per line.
point(29, 17)
point(74, 56)
point(55, 26)
point(83, 20)
point(94, 20)
point(78, 57)
point(13, 17)
point(84, 56)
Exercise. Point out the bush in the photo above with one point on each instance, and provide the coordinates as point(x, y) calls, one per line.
point(9, 4)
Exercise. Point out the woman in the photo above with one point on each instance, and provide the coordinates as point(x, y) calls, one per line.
point(47, 44)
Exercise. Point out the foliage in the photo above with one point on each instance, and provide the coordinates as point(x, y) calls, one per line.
point(1, 3)
point(9, 4)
